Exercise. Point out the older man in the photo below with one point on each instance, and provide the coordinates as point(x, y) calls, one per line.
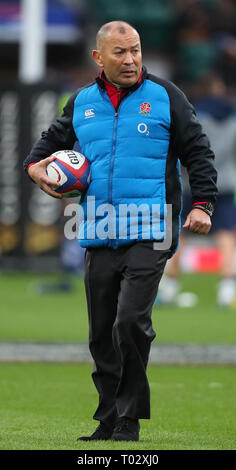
point(139, 128)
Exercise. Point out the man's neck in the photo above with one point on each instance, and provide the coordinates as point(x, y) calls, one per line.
point(115, 91)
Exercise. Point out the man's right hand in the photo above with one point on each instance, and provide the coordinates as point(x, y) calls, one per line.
point(37, 172)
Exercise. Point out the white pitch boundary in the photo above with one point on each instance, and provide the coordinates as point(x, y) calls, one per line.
point(201, 354)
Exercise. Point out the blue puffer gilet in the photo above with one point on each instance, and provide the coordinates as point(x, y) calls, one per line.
point(127, 151)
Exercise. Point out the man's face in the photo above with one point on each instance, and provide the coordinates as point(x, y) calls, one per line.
point(121, 57)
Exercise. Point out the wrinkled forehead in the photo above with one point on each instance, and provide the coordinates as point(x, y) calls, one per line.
point(115, 39)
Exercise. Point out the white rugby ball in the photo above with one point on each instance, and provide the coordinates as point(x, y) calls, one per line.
point(72, 170)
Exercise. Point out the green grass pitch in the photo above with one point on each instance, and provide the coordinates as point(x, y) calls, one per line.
point(47, 406)
point(27, 316)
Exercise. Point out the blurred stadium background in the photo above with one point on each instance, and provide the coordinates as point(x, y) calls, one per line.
point(183, 40)
point(41, 272)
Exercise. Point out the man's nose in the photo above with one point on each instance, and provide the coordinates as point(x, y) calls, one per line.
point(128, 59)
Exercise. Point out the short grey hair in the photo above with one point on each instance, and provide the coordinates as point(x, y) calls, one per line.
point(119, 26)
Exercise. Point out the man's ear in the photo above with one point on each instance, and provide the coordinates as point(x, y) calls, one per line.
point(97, 57)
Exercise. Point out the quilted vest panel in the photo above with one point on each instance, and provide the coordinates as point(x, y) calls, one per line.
point(127, 151)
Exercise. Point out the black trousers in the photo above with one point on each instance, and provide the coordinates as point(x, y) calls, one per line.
point(121, 287)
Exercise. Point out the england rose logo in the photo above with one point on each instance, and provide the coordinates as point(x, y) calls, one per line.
point(145, 109)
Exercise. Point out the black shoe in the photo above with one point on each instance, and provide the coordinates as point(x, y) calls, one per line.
point(102, 433)
point(126, 429)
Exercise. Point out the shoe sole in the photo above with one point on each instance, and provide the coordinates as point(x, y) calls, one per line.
point(85, 438)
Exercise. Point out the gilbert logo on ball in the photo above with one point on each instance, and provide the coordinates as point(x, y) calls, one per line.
point(72, 170)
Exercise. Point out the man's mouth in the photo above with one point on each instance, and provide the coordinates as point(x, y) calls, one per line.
point(128, 72)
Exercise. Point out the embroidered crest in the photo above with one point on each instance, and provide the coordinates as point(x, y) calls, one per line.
point(145, 109)
point(89, 113)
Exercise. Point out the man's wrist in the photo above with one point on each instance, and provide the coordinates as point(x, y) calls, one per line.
point(204, 206)
point(28, 167)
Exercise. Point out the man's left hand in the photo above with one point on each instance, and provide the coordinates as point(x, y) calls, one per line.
point(198, 221)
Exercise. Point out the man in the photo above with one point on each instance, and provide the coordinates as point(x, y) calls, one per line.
point(139, 126)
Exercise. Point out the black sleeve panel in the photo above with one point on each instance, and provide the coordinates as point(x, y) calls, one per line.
point(59, 136)
point(190, 144)
point(193, 148)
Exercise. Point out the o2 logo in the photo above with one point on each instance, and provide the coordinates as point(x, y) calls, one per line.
point(143, 128)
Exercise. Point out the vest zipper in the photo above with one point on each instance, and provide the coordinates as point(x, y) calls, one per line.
point(113, 147)
point(113, 156)
point(114, 150)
